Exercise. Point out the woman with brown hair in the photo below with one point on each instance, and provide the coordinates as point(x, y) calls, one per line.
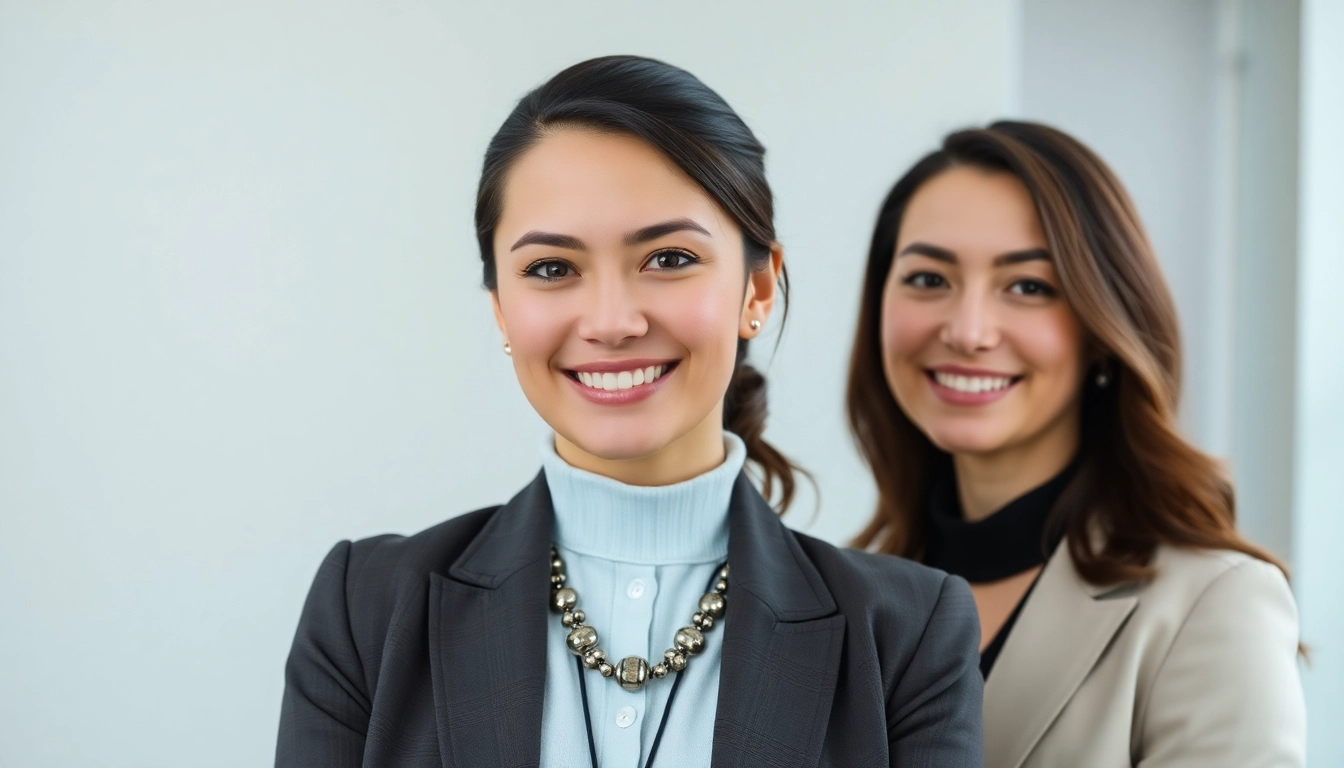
point(1013, 387)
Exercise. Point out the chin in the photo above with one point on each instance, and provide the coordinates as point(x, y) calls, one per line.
point(966, 440)
point(618, 442)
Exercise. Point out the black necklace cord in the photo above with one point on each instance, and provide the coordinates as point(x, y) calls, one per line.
point(667, 708)
point(662, 724)
point(587, 718)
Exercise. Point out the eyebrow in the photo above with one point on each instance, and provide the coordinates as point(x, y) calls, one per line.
point(641, 235)
point(655, 231)
point(536, 237)
point(1002, 260)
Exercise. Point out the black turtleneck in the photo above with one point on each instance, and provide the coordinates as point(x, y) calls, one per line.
point(1006, 543)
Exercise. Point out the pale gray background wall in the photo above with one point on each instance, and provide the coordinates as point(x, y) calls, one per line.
point(239, 313)
point(1318, 514)
point(240, 316)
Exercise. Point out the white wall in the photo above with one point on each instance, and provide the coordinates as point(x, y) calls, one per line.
point(1318, 513)
point(239, 313)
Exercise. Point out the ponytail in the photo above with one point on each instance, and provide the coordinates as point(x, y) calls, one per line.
point(744, 414)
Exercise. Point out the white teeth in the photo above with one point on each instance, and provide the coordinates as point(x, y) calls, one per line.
point(622, 379)
point(973, 385)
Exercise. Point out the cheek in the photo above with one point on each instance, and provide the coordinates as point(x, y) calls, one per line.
point(1052, 346)
point(907, 328)
point(703, 319)
point(537, 326)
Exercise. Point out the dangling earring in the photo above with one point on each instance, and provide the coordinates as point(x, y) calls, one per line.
point(507, 349)
point(755, 325)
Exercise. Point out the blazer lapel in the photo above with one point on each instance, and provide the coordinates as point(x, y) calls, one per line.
point(781, 648)
point(487, 638)
point(1062, 631)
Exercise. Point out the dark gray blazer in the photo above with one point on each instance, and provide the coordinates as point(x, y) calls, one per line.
point(430, 650)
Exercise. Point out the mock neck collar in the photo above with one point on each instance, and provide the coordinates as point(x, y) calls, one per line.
point(1005, 543)
point(685, 522)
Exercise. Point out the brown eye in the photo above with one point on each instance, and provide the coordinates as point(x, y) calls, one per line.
point(549, 271)
point(1033, 288)
point(925, 280)
point(670, 260)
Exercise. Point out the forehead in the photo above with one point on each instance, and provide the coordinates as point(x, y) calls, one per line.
point(971, 212)
point(592, 184)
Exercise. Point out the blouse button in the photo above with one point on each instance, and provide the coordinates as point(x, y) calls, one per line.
point(635, 590)
point(625, 717)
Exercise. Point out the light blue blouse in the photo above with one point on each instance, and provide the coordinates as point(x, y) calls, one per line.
point(640, 559)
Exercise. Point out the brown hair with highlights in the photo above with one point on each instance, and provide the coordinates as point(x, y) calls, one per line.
point(1139, 483)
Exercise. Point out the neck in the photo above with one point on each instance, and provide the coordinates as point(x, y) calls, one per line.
point(686, 457)
point(987, 482)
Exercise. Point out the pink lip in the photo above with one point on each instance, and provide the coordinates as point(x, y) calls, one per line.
point(621, 396)
point(955, 397)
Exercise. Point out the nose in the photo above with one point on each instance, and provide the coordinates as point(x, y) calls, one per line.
point(612, 314)
point(972, 326)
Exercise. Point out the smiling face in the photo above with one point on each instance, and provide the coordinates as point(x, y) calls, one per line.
point(980, 348)
point(622, 291)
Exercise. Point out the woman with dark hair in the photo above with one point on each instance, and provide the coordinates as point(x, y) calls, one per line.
point(1013, 386)
point(627, 240)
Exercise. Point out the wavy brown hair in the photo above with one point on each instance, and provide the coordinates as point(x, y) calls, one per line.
point(1139, 483)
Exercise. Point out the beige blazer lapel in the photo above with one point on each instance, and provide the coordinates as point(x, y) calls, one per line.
point(1062, 631)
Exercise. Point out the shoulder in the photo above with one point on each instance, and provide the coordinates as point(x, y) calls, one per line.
point(1215, 612)
point(1188, 578)
point(392, 559)
point(882, 588)
point(1222, 629)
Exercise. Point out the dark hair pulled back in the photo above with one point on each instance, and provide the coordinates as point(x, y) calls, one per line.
point(676, 114)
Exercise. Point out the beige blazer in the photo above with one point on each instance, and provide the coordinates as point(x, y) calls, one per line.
point(1195, 668)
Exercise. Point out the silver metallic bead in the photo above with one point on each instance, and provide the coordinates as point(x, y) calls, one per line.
point(721, 586)
point(581, 640)
point(632, 672)
point(579, 617)
point(659, 670)
point(568, 619)
point(593, 658)
point(677, 662)
point(557, 579)
point(563, 599)
point(689, 640)
point(556, 563)
point(723, 572)
point(713, 604)
point(703, 621)
point(606, 670)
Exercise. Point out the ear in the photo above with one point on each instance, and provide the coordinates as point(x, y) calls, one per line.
point(762, 287)
point(499, 314)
